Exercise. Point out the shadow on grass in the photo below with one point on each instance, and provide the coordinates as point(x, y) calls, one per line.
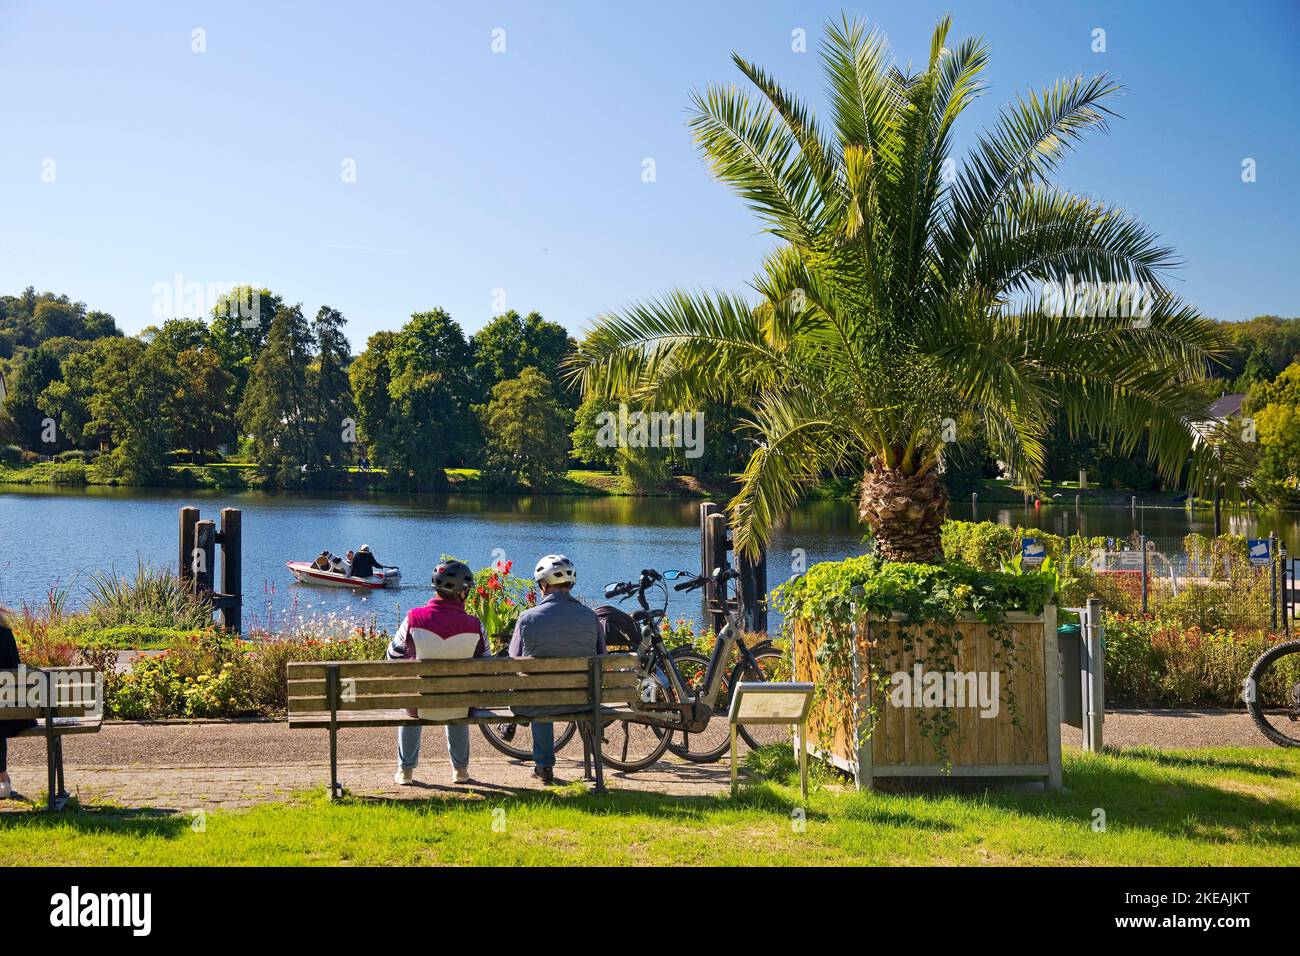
point(1120, 784)
point(161, 822)
point(1182, 796)
point(1190, 761)
point(576, 795)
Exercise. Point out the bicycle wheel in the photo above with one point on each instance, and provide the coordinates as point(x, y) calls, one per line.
point(1272, 694)
point(771, 666)
point(516, 740)
point(629, 746)
point(711, 743)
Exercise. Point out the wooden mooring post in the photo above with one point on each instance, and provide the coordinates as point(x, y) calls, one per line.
point(750, 602)
point(198, 561)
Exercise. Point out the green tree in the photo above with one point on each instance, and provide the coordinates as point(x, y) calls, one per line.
point(135, 387)
point(204, 416)
point(38, 368)
point(585, 437)
point(371, 375)
point(332, 392)
point(413, 391)
point(68, 397)
point(277, 406)
point(527, 432)
point(907, 287)
point(241, 323)
point(508, 344)
point(1274, 409)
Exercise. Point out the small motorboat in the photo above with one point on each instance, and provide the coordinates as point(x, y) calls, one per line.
point(382, 578)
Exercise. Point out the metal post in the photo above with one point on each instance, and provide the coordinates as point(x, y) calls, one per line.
point(50, 743)
point(974, 506)
point(803, 759)
point(1095, 677)
point(1272, 578)
point(597, 674)
point(1142, 543)
point(733, 758)
point(332, 693)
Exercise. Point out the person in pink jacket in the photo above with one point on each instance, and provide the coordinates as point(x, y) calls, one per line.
point(441, 629)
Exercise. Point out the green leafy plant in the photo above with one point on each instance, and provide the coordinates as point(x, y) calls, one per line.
point(915, 610)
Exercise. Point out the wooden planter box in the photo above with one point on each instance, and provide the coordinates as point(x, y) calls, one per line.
point(982, 746)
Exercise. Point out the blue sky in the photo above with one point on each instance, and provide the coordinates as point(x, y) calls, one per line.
point(515, 178)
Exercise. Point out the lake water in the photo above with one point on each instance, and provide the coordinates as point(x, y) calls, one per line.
point(52, 538)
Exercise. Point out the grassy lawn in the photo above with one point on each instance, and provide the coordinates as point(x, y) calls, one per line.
point(1208, 807)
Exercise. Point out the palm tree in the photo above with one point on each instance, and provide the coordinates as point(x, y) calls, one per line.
point(908, 291)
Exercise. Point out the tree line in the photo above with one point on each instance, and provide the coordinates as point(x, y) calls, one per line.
point(259, 381)
point(262, 382)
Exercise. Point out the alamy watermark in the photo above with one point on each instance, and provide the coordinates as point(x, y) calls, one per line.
point(624, 429)
point(180, 299)
point(1086, 299)
point(35, 688)
point(946, 689)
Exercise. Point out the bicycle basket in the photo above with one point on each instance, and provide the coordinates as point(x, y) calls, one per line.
point(621, 631)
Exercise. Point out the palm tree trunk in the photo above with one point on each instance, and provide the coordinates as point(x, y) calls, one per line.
point(906, 512)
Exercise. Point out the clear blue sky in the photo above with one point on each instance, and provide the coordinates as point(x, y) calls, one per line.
point(521, 170)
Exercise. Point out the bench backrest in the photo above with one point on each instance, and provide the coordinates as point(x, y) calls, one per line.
point(474, 682)
point(29, 692)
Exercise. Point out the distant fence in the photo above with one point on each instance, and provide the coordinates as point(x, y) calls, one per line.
point(1206, 583)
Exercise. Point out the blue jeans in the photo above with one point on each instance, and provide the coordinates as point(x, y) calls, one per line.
point(544, 744)
point(408, 745)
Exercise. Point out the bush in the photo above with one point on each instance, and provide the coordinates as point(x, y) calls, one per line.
point(10, 454)
point(73, 455)
point(214, 675)
point(155, 599)
point(193, 678)
point(68, 473)
point(1155, 662)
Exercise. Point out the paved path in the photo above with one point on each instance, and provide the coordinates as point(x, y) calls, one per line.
point(187, 766)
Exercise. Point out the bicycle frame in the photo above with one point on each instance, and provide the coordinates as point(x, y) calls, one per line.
point(691, 712)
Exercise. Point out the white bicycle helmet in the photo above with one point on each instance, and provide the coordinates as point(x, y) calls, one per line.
point(555, 569)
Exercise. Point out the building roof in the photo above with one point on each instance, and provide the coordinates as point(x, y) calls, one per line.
point(1225, 406)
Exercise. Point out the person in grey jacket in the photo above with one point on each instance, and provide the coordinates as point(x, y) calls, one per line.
point(559, 626)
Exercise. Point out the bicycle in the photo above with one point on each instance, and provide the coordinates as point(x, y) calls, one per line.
point(516, 740)
point(1272, 694)
point(681, 691)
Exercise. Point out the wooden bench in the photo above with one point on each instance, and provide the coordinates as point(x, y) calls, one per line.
point(63, 700)
point(335, 694)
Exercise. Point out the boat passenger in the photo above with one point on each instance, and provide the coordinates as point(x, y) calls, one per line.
point(364, 563)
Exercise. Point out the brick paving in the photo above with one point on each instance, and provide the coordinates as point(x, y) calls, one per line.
point(208, 764)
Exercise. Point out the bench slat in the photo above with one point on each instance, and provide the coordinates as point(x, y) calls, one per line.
point(65, 725)
point(474, 665)
point(474, 699)
point(315, 687)
point(38, 713)
point(399, 719)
